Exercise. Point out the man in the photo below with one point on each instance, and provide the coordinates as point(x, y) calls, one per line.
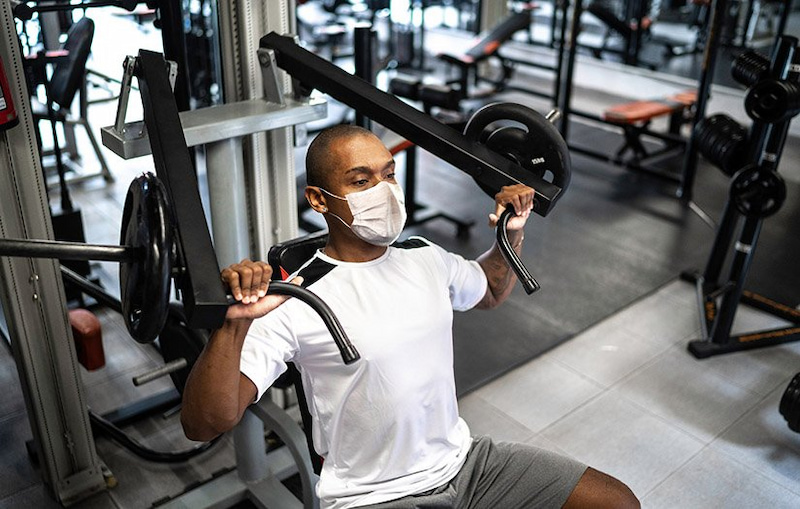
point(387, 426)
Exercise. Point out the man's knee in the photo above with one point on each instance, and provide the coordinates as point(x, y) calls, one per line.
point(598, 490)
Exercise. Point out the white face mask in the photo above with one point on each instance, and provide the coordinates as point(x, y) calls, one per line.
point(379, 213)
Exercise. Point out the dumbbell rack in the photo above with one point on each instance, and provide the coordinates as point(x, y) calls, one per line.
point(757, 191)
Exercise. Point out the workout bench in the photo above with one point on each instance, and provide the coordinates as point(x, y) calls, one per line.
point(635, 117)
point(449, 94)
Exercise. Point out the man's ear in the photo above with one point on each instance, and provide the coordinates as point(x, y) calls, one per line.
point(316, 199)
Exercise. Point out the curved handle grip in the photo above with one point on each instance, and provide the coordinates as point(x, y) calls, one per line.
point(528, 282)
point(348, 351)
point(346, 348)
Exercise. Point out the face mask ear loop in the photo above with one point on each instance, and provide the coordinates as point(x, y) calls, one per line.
point(331, 194)
point(340, 219)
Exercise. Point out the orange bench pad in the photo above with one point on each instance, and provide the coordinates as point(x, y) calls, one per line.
point(640, 111)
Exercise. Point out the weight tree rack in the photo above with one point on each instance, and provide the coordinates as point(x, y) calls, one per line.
point(756, 192)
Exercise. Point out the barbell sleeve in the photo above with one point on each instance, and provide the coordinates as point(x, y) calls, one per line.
point(62, 250)
point(346, 348)
point(528, 282)
point(159, 372)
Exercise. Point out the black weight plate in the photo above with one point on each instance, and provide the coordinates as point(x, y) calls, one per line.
point(790, 396)
point(544, 149)
point(757, 192)
point(148, 225)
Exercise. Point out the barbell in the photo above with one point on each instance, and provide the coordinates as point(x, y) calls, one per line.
point(149, 260)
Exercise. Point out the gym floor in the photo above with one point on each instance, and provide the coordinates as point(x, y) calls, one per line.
point(609, 381)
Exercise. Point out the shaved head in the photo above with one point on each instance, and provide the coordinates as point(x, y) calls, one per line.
point(319, 161)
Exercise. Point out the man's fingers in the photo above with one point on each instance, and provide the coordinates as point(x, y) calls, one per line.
point(231, 278)
point(245, 279)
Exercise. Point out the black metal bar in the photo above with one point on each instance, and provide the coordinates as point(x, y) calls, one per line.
point(173, 37)
point(765, 304)
point(61, 250)
point(86, 4)
point(745, 248)
point(201, 291)
point(718, 14)
point(94, 291)
point(363, 55)
point(566, 85)
point(562, 38)
point(743, 342)
point(722, 241)
point(473, 158)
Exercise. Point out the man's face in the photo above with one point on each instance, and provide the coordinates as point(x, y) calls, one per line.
point(357, 163)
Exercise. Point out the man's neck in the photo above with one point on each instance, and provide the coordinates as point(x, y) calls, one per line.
point(353, 251)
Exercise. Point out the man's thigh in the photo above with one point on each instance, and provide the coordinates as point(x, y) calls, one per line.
point(511, 475)
point(501, 476)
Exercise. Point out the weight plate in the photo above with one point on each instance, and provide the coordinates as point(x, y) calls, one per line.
point(524, 136)
point(757, 192)
point(147, 225)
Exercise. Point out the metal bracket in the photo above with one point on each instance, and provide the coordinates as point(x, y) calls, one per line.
point(134, 130)
point(269, 76)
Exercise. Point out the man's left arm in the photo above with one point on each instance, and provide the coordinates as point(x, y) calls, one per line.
point(499, 275)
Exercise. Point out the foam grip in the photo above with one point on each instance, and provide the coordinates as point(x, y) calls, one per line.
point(88, 335)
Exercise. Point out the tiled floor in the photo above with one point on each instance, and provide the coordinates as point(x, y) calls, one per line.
point(627, 398)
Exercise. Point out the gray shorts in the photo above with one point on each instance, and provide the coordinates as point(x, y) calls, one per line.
point(501, 476)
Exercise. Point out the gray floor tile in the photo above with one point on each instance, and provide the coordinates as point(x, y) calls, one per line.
point(484, 418)
point(119, 391)
point(678, 388)
point(12, 401)
point(543, 442)
point(539, 393)
point(607, 354)
point(613, 435)
point(762, 441)
point(659, 317)
point(680, 292)
point(35, 496)
point(713, 480)
point(749, 319)
point(16, 471)
point(760, 371)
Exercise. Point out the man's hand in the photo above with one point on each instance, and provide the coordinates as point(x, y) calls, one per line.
point(248, 282)
point(518, 195)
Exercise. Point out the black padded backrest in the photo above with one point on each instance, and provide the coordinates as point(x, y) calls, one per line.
point(501, 33)
point(68, 75)
point(292, 254)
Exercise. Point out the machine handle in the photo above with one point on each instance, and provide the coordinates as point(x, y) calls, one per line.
point(528, 282)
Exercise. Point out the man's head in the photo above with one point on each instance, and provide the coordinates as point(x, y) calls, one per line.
point(345, 160)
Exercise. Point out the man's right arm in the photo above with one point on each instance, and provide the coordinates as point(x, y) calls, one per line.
point(217, 393)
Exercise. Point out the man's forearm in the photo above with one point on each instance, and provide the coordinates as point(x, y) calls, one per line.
point(211, 400)
point(499, 275)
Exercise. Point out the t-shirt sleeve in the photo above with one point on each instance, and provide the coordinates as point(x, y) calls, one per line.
point(465, 278)
point(269, 345)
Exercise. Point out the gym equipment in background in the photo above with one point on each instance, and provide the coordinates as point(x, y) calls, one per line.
point(756, 192)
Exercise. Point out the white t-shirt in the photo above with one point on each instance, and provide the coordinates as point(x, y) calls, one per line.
point(387, 425)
